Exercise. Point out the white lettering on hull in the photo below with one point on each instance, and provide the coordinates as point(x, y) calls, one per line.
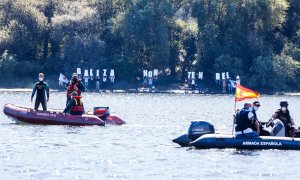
point(262, 143)
point(46, 114)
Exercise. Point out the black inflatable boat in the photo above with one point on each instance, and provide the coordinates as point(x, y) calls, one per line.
point(201, 135)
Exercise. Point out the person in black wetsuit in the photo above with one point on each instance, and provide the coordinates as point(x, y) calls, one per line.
point(42, 90)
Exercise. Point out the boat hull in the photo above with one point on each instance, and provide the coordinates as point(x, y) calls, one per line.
point(223, 141)
point(55, 117)
point(115, 120)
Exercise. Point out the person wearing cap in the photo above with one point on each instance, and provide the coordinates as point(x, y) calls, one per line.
point(245, 119)
point(283, 114)
point(74, 85)
point(41, 89)
point(75, 106)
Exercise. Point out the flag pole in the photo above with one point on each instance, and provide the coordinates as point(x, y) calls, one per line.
point(242, 93)
point(234, 113)
point(233, 122)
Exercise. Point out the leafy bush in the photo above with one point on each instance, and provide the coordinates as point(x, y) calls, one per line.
point(226, 63)
point(286, 70)
point(273, 72)
point(8, 64)
point(11, 68)
point(260, 72)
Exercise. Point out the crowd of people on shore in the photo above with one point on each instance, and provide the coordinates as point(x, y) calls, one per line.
point(91, 82)
point(150, 80)
point(193, 82)
point(225, 83)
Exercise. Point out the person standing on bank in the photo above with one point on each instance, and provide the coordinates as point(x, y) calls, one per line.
point(42, 90)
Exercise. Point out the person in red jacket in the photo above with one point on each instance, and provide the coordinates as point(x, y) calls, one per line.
point(75, 106)
point(74, 85)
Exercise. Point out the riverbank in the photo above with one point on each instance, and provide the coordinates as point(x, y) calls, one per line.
point(165, 87)
point(142, 90)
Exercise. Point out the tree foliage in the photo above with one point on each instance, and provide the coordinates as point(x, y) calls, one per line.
point(257, 40)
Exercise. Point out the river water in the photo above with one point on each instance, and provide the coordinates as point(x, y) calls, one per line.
point(142, 148)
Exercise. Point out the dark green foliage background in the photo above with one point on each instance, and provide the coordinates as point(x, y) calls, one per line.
point(257, 40)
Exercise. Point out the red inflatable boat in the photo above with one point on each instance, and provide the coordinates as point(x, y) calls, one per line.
point(56, 117)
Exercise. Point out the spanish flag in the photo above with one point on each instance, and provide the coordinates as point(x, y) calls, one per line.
point(242, 93)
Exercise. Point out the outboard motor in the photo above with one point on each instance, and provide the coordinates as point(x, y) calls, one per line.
point(199, 128)
point(101, 112)
point(196, 129)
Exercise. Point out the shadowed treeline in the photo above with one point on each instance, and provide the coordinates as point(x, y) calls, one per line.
point(257, 40)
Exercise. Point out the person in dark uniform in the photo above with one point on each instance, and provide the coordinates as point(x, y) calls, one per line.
point(75, 106)
point(74, 85)
point(245, 119)
point(42, 90)
point(283, 114)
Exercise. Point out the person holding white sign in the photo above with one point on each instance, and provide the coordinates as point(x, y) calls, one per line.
point(155, 79)
point(224, 85)
point(193, 81)
point(104, 79)
point(86, 78)
point(238, 81)
point(218, 78)
point(145, 78)
point(97, 80)
point(229, 85)
point(150, 81)
point(78, 70)
point(92, 80)
point(62, 80)
point(112, 79)
point(200, 82)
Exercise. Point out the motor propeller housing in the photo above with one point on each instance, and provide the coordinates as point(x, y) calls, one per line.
point(199, 128)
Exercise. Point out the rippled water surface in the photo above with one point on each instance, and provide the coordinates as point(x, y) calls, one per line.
point(142, 148)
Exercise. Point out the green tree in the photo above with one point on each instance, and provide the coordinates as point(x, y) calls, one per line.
point(23, 24)
point(146, 32)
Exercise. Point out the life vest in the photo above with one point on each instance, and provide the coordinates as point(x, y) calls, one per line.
point(242, 120)
point(72, 88)
point(78, 107)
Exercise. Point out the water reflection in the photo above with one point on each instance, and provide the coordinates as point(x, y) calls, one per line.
point(245, 152)
point(142, 148)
